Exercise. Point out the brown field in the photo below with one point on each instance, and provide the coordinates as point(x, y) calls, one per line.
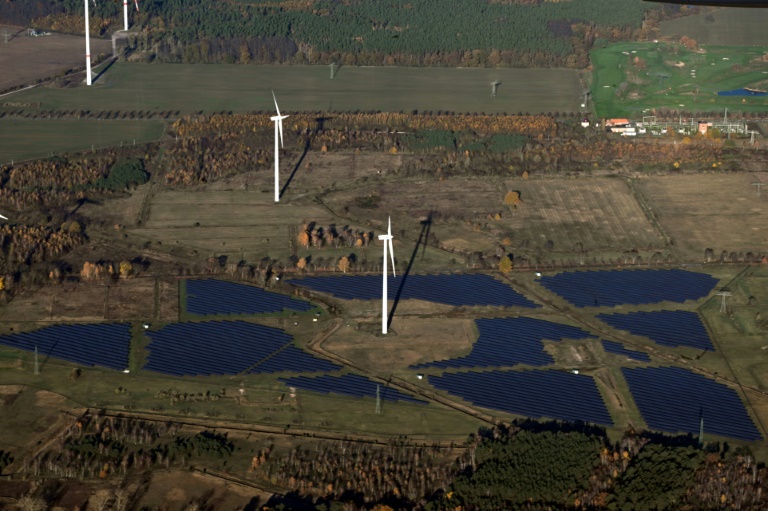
point(176, 490)
point(125, 300)
point(719, 211)
point(26, 59)
point(602, 214)
point(26, 418)
point(725, 26)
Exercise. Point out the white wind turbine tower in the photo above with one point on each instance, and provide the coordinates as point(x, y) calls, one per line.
point(125, 12)
point(387, 239)
point(87, 46)
point(278, 120)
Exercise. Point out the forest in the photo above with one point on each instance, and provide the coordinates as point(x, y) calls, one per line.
point(415, 32)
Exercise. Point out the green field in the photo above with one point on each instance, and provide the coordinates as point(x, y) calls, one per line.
point(25, 139)
point(670, 76)
point(190, 88)
point(727, 26)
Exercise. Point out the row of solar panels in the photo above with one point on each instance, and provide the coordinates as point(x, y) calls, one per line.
point(553, 394)
point(105, 345)
point(608, 288)
point(667, 328)
point(218, 297)
point(457, 290)
point(511, 341)
point(674, 399)
point(349, 385)
point(619, 349)
point(228, 347)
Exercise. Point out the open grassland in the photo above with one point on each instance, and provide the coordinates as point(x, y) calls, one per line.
point(555, 215)
point(635, 79)
point(25, 59)
point(727, 26)
point(190, 88)
point(25, 139)
point(721, 212)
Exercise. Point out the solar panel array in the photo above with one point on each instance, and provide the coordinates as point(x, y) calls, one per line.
point(105, 345)
point(619, 349)
point(511, 341)
point(295, 360)
point(219, 297)
point(674, 399)
point(228, 347)
point(608, 288)
point(668, 328)
point(349, 385)
point(461, 289)
point(553, 394)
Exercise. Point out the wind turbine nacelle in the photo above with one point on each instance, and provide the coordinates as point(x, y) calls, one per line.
point(718, 3)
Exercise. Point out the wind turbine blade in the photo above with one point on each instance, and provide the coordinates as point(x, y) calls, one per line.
point(392, 254)
point(4, 217)
point(276, 107)
point(137, 5)
point(389, 226)
point(280, 129)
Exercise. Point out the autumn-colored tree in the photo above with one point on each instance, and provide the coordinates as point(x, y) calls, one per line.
point(304, 239)
point(344, 264)
point(505, 265)
point(512, 199)
point(301, 264)
point(126, 269)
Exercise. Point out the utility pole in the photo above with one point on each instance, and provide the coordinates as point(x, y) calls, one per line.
point(724, 293)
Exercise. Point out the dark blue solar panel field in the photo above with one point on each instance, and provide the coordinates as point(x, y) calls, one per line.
point(219, 297)
point(668, 328)
point(608, 288)
point(457, 290)
point(228, 347)
point(294, 360)
point(511, 341)
point(349, 385)
point(105, 345)
point(619, 349)
point(552, 394)
point(214, 347)
point(674, 399)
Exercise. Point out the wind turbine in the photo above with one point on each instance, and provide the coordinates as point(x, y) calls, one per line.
point(87, 46)
point(125, 12)
point(387, 239)
point(4, 217)
point(278, 120)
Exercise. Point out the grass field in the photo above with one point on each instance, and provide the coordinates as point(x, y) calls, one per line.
point(25, 139)
point(669, 76)
point(25, 59)
point(726, 26)
point(721, 211)
point(246, 88)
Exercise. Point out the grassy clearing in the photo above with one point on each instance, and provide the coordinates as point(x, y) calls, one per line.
point(720, 211)
point(663, 78)
point(727, 26)
point(189, 88)
point(25, 139)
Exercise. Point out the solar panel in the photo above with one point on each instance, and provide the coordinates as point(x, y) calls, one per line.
point(455, 289)
point(674, 399)
point(619, 349)
point(511, 341)
point(667, 328)
point(553, 394)
point(608, 288)
point(349, 385)
point(212, 347)
point(105, 345)
point(219, 297)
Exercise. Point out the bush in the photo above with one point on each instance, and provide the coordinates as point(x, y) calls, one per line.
point(124, 173)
